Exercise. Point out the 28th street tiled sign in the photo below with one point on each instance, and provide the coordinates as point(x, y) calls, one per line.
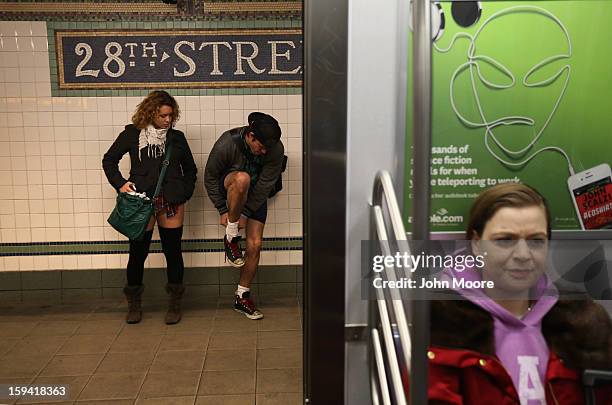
point(108, 59)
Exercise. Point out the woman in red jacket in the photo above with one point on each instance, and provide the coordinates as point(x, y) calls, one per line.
point(520, 342)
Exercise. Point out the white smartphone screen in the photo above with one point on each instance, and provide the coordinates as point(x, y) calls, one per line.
point(594, 202)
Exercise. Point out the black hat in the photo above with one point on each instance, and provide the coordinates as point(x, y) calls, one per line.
point(264, 128)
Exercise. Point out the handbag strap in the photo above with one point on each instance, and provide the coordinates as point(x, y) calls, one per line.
point(165, 165)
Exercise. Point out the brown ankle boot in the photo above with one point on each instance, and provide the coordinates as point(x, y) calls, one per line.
point(133, 293)
point(175, 291)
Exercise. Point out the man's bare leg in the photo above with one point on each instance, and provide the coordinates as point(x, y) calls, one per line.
point(254, 237)
point(237, 186)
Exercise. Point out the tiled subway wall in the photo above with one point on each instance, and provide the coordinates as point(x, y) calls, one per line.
point(85, 285)
point(52, 187)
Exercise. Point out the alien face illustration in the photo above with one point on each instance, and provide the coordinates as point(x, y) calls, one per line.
point(512, 83)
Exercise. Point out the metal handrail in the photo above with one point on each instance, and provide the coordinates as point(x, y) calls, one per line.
point(382, 376)
point(396, 300)
point(385, 322)
point(383, 187)
point(383, 190)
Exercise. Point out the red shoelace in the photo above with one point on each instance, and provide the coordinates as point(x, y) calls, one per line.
point(247, 303)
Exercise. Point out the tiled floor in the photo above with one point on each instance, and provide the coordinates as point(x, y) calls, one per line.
point(214, 356)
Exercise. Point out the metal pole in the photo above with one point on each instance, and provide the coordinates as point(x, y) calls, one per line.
point(421, 152)
point(325, 138)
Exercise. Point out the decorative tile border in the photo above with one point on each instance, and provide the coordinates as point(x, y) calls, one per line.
point(120, 247)
point(85, 1)
point(252, 7)
point(150, 9)
point(155, 8)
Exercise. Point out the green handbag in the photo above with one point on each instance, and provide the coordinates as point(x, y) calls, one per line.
point(132, 212)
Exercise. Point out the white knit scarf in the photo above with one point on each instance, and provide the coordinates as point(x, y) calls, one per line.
point(154, 140)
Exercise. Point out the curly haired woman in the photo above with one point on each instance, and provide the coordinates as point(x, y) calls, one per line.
point(146, 141)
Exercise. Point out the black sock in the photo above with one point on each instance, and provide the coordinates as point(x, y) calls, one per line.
point(171, 245)
point(139, 250)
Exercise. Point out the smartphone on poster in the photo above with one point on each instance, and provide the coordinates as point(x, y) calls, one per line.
point(591, 192)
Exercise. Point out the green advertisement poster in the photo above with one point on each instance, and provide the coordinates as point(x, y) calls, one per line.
point(522, 94)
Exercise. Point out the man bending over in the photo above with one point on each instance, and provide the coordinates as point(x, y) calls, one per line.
point(241, 173)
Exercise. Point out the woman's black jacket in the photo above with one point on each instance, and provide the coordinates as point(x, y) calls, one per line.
point(180, 177)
